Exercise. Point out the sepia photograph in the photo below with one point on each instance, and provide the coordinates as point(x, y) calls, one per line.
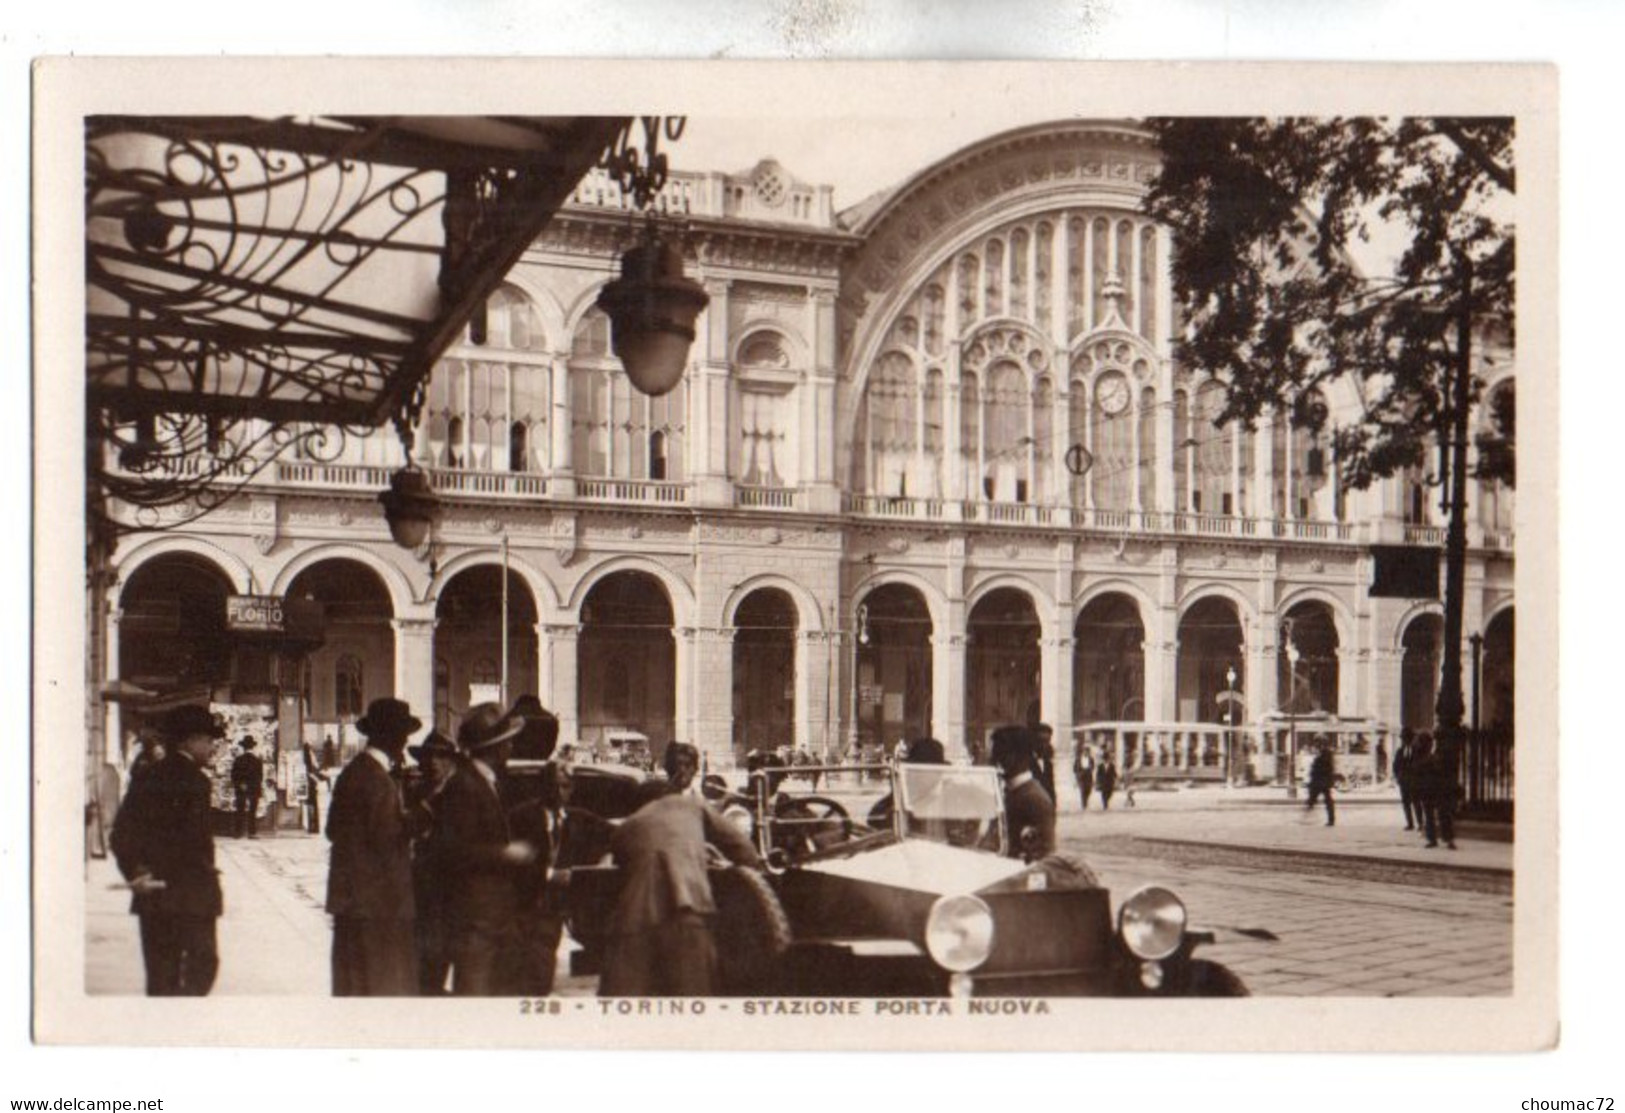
point(849, 561)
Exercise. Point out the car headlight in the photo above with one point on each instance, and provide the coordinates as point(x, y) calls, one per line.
point(1152, 923)
point(959, 933)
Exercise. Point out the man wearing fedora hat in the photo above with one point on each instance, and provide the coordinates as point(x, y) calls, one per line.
point(478, 858)
point(437, 760)
point(369, 880)
point(164, 847)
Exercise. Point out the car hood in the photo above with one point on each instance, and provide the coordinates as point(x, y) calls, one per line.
point(923, 866)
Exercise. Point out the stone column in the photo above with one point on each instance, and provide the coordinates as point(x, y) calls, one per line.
point(948, 692)
point(560, 645)
point(113, 725)
point(809, 671)
point(561, 483)
point(414, 666)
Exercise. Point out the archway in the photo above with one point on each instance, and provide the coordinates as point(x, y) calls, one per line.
point(1211, 643)
point(468, 643)
point(1419, 671)
point(627, 673)
point(172, 629)
point(1495, 685)
point(355, 663)
point(764, 670)
point(1002, 664)
point(894, 667)
point(1310, 688)
point(1108, 661)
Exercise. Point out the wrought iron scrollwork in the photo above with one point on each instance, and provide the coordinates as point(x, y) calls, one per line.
point(641, 173)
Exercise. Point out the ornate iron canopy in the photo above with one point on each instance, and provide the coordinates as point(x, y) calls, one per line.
point(304, 270)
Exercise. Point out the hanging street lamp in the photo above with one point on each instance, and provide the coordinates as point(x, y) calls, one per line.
point(652, 307)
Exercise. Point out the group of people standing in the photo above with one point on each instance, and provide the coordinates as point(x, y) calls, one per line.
point(1428, 787)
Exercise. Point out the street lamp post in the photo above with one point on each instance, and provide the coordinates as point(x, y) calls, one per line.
point(1229, 727)
point(1291, 711)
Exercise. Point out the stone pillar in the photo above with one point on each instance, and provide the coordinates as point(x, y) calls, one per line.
point(948, 693)
point(560, 647)
point(414, 666)
point(561, 431)
point(113, 725)
point(1059, 715)
point(810, 669)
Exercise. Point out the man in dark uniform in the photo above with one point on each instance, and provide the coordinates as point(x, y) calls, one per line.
point(660, 942)
point(247, 782)
point(478, 859)
point(1321, 778)
point(437, 761)
point(1044, 757)
point(165, 849)
point(1028, 809)
point(1405, 762)
point(1106, 781)
point(1083, 768)
point(369, 881)
point(1436, 785)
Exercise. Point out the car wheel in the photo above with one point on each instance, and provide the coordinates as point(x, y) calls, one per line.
point(1212, 979)
point(752, 931)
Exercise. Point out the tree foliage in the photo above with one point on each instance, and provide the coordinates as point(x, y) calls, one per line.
point(1264, 213)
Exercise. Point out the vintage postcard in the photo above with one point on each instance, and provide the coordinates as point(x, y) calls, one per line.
point(878, 555)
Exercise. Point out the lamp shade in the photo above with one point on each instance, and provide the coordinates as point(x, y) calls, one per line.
point(652, 308)
point(409, 507)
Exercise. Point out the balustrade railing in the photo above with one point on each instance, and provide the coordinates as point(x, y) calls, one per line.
point(765, 498)
point(659, 492)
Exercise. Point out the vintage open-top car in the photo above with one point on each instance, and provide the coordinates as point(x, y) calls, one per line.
point(918, 898)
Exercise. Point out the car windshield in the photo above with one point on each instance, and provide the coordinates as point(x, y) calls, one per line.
point(958, 804)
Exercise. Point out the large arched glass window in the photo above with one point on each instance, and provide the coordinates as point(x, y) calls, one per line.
point(1112, 416)
point(889, 403)
point(1005, 416)
point(1215, 452)
point(497, 381)
point(614, 426)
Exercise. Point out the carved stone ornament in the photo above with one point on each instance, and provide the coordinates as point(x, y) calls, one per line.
point(1317, 566)
point(1012, 551)
point(492, 524)
point(265, 542)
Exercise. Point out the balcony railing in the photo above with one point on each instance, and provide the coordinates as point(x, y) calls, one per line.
point(658, 492)
point(892, 506)
point(463, 481)
point(1424, 535)
point(306, 473)
point(765, 498)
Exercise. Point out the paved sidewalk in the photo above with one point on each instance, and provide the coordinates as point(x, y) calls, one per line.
point(274, 938)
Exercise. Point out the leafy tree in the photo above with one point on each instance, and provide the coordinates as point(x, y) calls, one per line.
point(1265, 214)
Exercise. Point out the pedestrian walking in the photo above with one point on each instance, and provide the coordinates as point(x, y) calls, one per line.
point(1028, 809)
point(436, 759)
point(1405, 763)
point(1044, 757)
point(478, 859)
point(1106, 781)
point(660, 942)
point(369, 878)
point(164, 847)
point(1322, 775)
point(315, 777)
point(1083, 770)
point(247, 783)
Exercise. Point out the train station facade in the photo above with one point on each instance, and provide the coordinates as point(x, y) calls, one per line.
point(863, 515)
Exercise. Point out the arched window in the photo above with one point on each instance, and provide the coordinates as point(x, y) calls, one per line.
point(1112, 418)
point(613, 426)
point(1215, 453)
point(518, 458)
point(889, 401)
point(456, 448)
point(1005, 421)
point(349, 694)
